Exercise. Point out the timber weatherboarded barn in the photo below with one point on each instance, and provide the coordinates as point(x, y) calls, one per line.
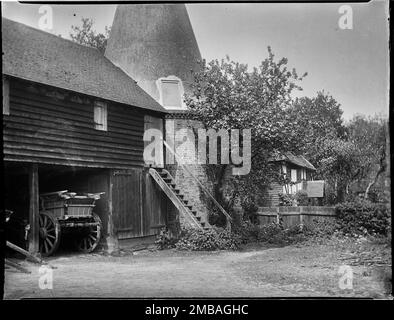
point(73, 120)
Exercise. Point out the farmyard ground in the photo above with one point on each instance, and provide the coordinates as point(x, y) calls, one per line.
point(303, 270)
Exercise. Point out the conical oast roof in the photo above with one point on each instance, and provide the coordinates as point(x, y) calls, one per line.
point(150, 41)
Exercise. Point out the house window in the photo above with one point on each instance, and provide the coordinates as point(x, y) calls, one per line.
point(299, 174)
point(171, 92)
point(100, 115)
point(293, 175)
point(6, 96)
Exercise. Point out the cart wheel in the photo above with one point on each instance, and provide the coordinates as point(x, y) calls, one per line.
point(49, 234)
point(91, 238)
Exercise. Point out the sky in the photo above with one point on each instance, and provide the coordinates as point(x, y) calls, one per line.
point(350, 64)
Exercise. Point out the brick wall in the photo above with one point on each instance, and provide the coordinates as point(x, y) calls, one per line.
point(187, 149)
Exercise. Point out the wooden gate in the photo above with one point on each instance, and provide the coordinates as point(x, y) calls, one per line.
point(139, 206)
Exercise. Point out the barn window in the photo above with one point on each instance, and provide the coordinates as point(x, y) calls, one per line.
point(6, 96)
point(171, 92)
point(100, 115)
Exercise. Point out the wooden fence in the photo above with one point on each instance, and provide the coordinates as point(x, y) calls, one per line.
point(292, 216)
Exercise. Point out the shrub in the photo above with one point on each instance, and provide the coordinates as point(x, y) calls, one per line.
point(320, 228)
point(271, 233)
point(286, 200)
point(246, 231)
point(361, 217)
point(250, 209)
point(207, 239)
point(164, 240)
point(302, 198)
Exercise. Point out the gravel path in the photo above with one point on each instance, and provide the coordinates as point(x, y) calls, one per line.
point(291, 271)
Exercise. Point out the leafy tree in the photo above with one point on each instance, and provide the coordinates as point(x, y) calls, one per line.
point(338, 162)
point(318, 119)
point(369, 135)
point(87, 36)
point(348, 154)
point(227, 96)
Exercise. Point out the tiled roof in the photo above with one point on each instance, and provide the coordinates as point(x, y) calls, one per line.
point(297, 160)
point(41, 57)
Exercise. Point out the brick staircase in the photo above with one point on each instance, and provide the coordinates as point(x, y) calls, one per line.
point(168, 185)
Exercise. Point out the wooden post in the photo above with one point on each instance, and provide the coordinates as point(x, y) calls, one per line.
point(111, 237)
point(34, 209)
point(24, 252)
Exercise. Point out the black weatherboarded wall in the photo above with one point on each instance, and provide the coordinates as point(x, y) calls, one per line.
point(56, 127)
point(51, 126)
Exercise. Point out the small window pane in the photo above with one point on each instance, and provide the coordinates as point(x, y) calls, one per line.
point(100, 116)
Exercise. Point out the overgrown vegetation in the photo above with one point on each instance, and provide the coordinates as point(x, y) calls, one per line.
point(211, 239)
point(165, 240)
point(88, 36)
point(300, 198)
point(228, 95)
point(360, 218)
point(349, 155)
point(363, 217)
point(200, 240)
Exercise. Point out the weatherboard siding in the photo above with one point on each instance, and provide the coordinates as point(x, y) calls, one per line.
point(55, 127)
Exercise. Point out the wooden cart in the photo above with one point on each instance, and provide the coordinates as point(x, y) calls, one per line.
point(64, 211)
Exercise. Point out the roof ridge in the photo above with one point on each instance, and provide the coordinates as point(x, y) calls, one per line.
point(104, 79)
point(51, 34)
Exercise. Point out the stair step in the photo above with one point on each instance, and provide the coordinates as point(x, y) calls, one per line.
point(170, 183)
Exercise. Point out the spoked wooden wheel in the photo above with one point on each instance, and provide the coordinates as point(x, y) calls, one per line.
point(90, 237)
point(49, 234)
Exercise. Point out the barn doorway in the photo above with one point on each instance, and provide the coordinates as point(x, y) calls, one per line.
point(20, 196)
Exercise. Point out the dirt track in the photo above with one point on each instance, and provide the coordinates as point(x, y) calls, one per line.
point(260, 272)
